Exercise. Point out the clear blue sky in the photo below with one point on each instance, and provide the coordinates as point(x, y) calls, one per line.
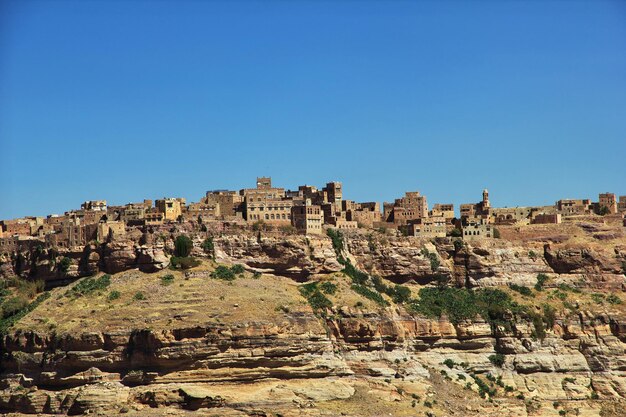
point(125, 100)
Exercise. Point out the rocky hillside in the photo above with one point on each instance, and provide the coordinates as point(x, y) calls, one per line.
point(365, 325)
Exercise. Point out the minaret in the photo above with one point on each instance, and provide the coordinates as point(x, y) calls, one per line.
point(485, 199)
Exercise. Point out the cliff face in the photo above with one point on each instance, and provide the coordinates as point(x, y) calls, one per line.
point(255, 347)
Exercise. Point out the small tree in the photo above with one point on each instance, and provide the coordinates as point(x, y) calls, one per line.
point(456, 232)
point(183, 246)
point(64, 265)
point(208, 247)
point(496, 233)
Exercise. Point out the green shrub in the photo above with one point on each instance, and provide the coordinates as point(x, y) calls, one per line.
point(113, 295)
point(139, 296)
point(541, 280)
point(370, 294)
point(64, 264)
point(449, 363)
point(184, 263)
point(9, 320)
point(539, 331)
point(521, 289)
point(613, 299)
point(458, 245)
point(13, 306)
point(461, 304)
point(549, 316)
point(399, 294)
point(316, 299)
point(328, 287)
point(208, 247)
point(223, 272)
point(182, 246)
point(237, 269)
point(496, 233)
point(433, 258)
point(88, 286)
point(456, 232)
point(167, 279)
point(337, 239)
point(497, 359)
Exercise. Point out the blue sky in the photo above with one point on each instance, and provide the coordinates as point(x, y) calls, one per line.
point(125, 100)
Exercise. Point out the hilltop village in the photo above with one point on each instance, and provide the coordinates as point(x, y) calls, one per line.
point(307, 210)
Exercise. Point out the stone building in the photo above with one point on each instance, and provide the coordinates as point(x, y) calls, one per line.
point(546, 218)
point(21, 227)
point(569, 207)
point(609, 201)
point(480, 210)
point(94, 205)
point(428, 227)
point(412, 206)
point(477, 228)
point(307, 218)
point(510, 215)
point(621, 205)
point(172, 208)
point(266, 203)
point(443, 210)
point(228, 203)
point(364, 214)
point(110, 230)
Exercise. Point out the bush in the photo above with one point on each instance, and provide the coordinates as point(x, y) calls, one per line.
point(521, 289)
point(497, 359)
point(139, 296)
point(541, 280)
point(167, 279)
point(184, 263)
point(113, 295)
point(549, 316)
point(8, 321)
point(88, 286)
point(182, 246)
point(337, 239)
point(399, 294)
point(458, 245)
point(449, 363)
point(223, 272)
point(237, 269)
point(316, 299)
point(496, 233)
point(64, 264)
point(461, 304)
point(328, 287)
point(370, 294)
point(208, 247)
point(613, 299)
point(456, 232)
point(13, 305)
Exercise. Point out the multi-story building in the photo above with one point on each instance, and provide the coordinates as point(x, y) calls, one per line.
point(229, 203)
point(94, 205)
point(621, 205)
point(307, 218)
point(609, 201)
point(478, 210)
point(172, 208)
point(477, 228)
point(267, 203)
point(569, 206)
point(412, 206)
point(428, 227)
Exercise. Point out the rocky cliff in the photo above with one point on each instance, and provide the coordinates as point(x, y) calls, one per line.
point(255, 346)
